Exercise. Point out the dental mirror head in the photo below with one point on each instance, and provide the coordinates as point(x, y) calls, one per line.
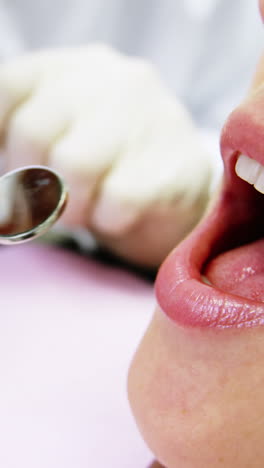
point(32, 198)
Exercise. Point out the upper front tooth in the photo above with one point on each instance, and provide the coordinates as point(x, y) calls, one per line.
point(248, 169)
point(259, 184)
point(251, 171)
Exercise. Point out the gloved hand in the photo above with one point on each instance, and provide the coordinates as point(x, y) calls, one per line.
point(137, 172)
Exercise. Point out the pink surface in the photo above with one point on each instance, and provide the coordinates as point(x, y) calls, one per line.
point(69, 328)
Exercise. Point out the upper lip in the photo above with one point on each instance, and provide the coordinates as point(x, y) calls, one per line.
point(234, 219)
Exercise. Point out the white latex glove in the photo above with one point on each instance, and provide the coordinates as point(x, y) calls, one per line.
point(137, 171)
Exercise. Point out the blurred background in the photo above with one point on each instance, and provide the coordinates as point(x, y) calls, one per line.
point(206, 50)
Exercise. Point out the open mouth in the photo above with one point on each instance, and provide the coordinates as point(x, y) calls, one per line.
point(215, 277)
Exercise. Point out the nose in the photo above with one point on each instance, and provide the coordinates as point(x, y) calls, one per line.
point(261, 7)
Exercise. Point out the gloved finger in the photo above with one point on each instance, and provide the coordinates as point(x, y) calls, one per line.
point(35, 126)
point(18, 79)
point(95, 143)
point(166, 170)
point(84, 155)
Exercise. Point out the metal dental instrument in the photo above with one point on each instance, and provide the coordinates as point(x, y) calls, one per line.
point(32, 198)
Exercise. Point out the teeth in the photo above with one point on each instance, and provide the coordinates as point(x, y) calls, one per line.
point(251, 171)
point(259, 184)
point(205, 280)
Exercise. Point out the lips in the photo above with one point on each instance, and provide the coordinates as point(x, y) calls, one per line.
point(234, 221)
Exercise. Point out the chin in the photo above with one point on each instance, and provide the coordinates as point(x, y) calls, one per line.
point(197, 395)
point(196, 382)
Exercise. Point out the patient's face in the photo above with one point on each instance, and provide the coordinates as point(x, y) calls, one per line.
point(196, 382)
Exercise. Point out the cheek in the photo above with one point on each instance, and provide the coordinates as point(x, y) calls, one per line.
point(198, 396)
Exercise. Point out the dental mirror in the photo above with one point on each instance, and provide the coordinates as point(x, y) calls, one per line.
point(32, 198)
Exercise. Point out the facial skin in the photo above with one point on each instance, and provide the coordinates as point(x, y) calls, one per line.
point(197, 393)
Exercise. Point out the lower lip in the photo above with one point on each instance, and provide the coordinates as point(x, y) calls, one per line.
point(188, 301)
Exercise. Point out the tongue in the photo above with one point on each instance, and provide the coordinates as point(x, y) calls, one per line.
point(240, 271)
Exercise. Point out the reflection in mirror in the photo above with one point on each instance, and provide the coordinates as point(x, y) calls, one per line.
point(31, 200)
